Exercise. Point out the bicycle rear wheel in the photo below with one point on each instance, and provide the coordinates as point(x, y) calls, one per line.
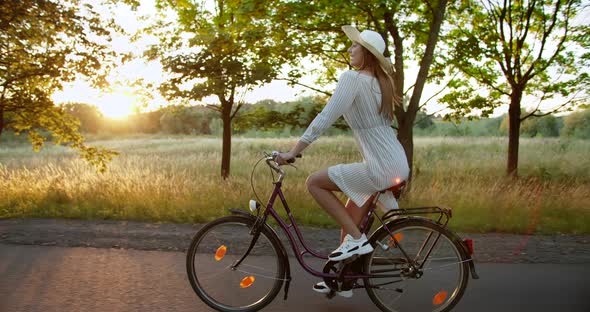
point(441, 276)
point(211, 269)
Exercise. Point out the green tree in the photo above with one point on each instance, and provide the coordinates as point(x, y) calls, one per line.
point(577, 124)
point(518, 49)
point(222, 51)
point(148, 122)
point(185, 120)
point(261, 118)
point(412, 29)
point(90, 117)
point(546, 126)
point(43, 44)
point(424, 120)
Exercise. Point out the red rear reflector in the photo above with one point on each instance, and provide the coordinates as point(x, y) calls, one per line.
point(469, 243)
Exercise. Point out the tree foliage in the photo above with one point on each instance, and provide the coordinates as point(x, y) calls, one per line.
point(272, 116)
point(186, 120)
point(90, 118)
point(423, 120)
point(409, 28)
point(517, 50)
point(546, 126)
point(44, 44)
point(218, 48)
point(577, 124)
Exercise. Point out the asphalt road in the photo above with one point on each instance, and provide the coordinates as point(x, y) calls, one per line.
point(42, 278)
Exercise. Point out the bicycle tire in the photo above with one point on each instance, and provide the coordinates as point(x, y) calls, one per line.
point(217, 246)
point(417, 293)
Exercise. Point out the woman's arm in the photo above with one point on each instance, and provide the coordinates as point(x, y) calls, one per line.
point(339, 103)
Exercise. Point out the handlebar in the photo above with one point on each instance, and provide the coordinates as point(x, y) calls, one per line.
point(271, 162)
point(274, 155)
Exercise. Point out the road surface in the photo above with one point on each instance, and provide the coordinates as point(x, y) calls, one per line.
point(61, 279)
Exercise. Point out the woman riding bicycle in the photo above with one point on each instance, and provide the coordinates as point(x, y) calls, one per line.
point(365, 97)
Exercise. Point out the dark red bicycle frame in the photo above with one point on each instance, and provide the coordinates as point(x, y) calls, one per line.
point(298, 253)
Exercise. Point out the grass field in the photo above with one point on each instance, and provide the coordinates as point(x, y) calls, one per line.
point(176, 179)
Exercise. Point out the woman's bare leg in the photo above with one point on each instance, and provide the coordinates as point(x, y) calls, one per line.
point(321, 187)
point(357, 214)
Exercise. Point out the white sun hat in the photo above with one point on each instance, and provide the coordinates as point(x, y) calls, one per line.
point(372, 41)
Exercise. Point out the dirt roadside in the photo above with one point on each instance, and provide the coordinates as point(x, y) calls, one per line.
point(492, 247)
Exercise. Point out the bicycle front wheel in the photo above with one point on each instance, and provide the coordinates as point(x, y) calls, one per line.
point(422, 268)
point(215, 275)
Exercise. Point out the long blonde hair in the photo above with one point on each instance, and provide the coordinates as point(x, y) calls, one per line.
point(389, 100)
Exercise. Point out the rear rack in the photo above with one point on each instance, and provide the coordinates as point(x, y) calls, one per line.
point(443, 212)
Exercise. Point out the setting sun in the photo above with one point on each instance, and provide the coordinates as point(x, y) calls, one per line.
point(117, 105)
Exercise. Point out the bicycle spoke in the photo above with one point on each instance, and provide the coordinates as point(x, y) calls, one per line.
point(212, 275)
point(446, 265)
point(215, 278)
point(255, 267)
point(435, 287)
point(264, 276)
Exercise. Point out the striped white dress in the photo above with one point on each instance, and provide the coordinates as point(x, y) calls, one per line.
point(358, 98)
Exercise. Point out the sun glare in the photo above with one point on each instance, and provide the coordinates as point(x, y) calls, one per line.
point(117, 105)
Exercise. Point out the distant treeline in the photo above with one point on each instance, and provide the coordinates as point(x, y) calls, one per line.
point(270, 118)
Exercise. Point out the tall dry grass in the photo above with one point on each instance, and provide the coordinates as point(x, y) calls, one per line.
point(177, 179)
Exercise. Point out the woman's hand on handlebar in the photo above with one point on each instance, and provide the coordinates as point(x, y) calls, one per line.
point(289, 157)
point(283, 158)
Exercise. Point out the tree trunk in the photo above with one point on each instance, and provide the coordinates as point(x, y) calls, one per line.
point(1, 119)
point(405, 136)
point(513, 132)
point(406, 119)
point(226, 145)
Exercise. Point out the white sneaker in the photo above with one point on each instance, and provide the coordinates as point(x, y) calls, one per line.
point(351, 247)
point(322, 288)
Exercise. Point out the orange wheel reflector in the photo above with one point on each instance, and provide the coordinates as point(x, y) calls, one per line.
point(398, 237)
point(220, 253)
point(247, 281)
point(440, 297)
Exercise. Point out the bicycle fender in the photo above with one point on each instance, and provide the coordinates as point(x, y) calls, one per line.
point(284, 255)
point(454, 236)
point(471, 262)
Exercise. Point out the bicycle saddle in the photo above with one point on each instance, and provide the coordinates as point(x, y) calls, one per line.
point(395, 189)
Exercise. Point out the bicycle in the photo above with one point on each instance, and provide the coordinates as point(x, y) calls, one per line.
point(238, 263)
